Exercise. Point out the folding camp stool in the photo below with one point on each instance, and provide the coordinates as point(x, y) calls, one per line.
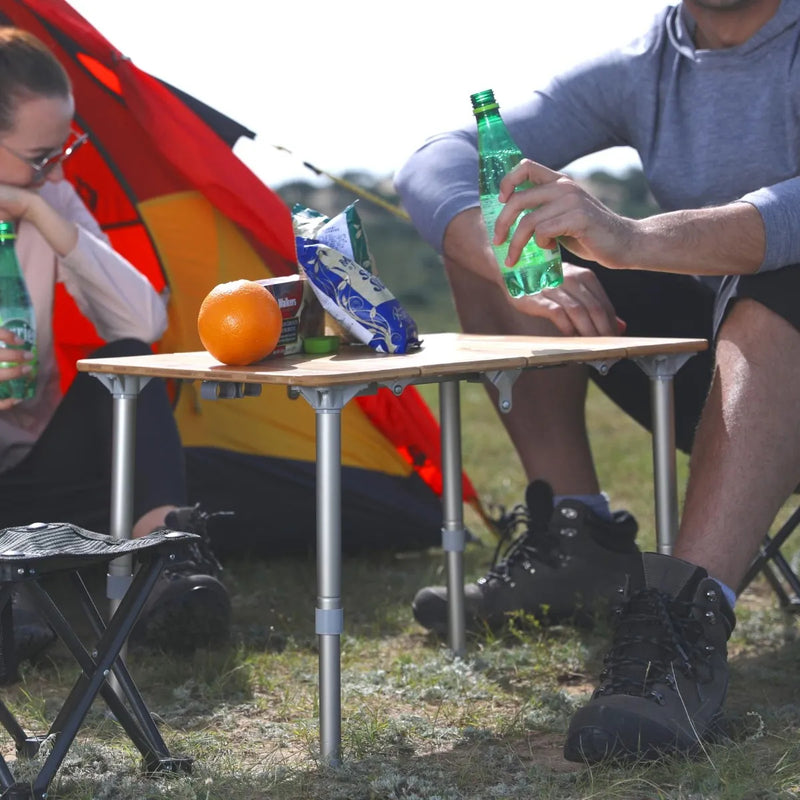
point(777, 570)
point(30, 558)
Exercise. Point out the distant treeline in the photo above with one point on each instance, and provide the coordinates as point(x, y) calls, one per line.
point(409, 267)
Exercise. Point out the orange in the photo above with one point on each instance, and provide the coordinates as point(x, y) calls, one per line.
point(239, 322)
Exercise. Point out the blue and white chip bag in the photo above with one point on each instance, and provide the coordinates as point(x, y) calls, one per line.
point(357, 299)
point(335, 257)
point(344, 232)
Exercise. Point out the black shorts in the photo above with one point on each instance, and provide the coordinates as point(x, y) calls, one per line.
point(663, 304)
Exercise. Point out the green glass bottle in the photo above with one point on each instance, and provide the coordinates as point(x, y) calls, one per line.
point(16, 313)
point(537, 268)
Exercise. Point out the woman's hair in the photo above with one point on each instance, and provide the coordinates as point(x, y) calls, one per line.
point(27, 68)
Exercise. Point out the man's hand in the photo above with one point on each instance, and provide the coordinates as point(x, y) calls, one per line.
point(17, 358)
point(579, 307)
point(563, 210)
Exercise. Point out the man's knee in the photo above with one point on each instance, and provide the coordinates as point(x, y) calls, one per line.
point(483, 306)
point(749, 320)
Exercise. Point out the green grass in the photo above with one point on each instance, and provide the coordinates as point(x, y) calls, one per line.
point(415, 722)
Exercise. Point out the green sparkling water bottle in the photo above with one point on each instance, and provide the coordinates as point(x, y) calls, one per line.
point(537, 268)
point(16, 313)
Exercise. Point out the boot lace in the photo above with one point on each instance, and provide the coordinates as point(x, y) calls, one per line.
point(200, 558)
point(525, 541)
point(655, 636)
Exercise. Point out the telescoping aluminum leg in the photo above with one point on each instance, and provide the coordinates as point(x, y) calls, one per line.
point(661, 370)
point(125, 393)
point(453, 532)
point(328, 404)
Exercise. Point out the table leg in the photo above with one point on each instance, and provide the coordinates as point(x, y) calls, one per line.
point(453, 532)
point(329, 614)
point(661, 371)
point(125, 394)
point(664, 467)
point(328, 405)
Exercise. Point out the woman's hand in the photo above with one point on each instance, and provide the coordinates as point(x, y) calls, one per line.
point(15, 201)
point(15, 362)
point(557, 208)
point(18, 203)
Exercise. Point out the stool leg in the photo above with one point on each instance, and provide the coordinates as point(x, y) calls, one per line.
point(153, 739)
point(770, 551)
point(10, 723)
point(8, 650)
point(6, 778)
point(95, 671)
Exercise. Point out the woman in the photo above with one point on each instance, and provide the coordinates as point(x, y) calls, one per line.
point(55, 450)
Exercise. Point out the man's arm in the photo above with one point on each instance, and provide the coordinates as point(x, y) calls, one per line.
point(722, 240)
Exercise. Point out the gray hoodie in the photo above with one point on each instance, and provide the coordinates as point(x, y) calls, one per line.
point(710, 127)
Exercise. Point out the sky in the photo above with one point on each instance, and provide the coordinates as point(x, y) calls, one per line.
point(359, 84)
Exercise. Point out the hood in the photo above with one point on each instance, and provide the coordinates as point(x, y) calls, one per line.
point(681, 25)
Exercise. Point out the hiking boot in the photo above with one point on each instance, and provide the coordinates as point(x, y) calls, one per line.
point(32, 634)
point(189, 607)
point(564, 564)
point(666, 675)
point(29, 636)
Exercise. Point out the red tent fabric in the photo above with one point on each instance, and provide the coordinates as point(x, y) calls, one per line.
point(159, 159)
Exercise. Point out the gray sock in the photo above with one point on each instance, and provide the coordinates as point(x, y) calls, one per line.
point(596, 502)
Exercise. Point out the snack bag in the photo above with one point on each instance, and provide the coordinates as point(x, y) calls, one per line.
point(344, 232)
point(347, 289)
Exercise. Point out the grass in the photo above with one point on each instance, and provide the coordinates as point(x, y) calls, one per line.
point(415, 722)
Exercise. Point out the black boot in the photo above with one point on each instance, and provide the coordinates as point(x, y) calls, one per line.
point(28, 637)
point(189, 606)
point(666, 675)
point(564, 565)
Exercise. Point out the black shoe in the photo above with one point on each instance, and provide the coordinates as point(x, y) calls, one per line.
point(666, 675)
point(565, 564)
point(30, 635)
point(189, 606)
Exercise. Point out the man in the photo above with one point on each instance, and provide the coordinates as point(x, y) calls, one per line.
point(706, 97)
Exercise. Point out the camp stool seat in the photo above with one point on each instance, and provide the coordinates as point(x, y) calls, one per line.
point(30, 557)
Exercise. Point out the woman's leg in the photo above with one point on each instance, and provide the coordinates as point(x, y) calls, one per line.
point(66, 476)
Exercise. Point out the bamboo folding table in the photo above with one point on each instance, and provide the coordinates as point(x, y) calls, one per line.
point(329, 382)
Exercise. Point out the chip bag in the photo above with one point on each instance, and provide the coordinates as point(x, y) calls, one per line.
point(328, 251)
point(344, 232)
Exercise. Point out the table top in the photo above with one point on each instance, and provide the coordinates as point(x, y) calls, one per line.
point(442, 355)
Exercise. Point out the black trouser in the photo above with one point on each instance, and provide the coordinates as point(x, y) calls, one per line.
point(664, 304)
point(66, 477)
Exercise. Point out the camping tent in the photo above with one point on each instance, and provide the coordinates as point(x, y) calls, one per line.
point(160, 176)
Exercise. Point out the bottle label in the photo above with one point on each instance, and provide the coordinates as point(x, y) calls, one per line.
point(21, 328)
point(22, 388)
